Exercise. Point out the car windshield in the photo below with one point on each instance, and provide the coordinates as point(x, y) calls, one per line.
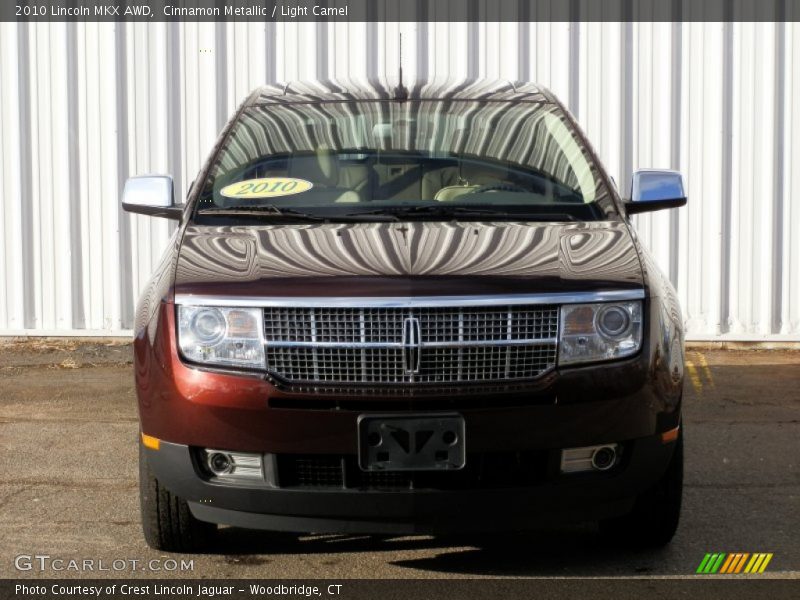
point(400, 158)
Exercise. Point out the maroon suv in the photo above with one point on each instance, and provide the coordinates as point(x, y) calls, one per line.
point(400, 310)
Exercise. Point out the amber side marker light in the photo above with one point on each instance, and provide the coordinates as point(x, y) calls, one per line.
point(151, 442)
point(670, 436)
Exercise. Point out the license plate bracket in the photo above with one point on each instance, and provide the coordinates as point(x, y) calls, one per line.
point(431, 442)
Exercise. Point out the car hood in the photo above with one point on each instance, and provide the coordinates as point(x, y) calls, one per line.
point(407, 259)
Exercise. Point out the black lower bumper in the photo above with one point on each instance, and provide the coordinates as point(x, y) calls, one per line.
point(559, 499)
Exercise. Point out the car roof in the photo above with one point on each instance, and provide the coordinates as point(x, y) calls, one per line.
point(297, 92)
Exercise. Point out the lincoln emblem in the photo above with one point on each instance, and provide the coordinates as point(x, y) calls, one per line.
point(412, 340)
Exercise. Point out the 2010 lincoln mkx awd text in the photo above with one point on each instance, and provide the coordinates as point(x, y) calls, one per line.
point(400, 310)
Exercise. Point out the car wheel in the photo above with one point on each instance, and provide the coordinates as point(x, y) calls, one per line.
point(654, 518)
point(167, 522)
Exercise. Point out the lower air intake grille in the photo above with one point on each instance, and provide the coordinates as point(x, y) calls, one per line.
point(482, 471)
point(310, 471)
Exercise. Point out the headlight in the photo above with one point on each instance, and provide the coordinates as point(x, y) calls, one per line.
point(593, 332)
point(221, 336)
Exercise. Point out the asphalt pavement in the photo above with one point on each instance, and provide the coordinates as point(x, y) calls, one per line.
point(68, 485)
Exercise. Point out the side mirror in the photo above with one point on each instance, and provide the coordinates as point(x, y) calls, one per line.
point(151, 195)
point(655, 190)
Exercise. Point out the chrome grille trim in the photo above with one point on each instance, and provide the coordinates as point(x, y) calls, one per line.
point(414, 345)
point(400, 345)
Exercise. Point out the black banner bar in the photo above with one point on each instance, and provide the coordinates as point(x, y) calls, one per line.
point(707, 588)
point(400, 10)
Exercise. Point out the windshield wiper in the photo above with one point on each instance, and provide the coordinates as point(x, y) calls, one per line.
point(261, 211)
point(462, 211)
point(388, 213)
point(271, 211)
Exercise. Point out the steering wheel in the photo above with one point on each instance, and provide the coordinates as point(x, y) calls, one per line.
point(498, 187)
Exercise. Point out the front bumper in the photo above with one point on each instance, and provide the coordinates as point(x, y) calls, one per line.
point(631, 401)
point(571, 407)
point(557, 499)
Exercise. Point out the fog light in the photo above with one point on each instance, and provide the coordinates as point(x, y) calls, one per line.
point(235, 466)
point(219, 463)
point(603, 458)
point(589, 458)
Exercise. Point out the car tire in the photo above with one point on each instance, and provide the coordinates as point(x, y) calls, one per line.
point(654, 518)
point(167, 522)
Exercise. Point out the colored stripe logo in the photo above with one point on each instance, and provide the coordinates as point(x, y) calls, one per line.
point(734, 563)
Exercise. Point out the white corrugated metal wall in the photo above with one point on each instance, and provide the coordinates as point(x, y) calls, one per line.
point(84, 105)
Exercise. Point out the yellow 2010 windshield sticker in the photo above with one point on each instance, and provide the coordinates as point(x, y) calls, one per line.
point(267, 187)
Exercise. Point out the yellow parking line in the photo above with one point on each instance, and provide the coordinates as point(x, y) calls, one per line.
point(701, 358)
point(693, 376)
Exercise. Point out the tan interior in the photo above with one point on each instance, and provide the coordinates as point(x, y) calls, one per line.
point(347, 182)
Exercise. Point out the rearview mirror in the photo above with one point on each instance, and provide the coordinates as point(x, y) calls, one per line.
point(655, 190)
point(151, 195)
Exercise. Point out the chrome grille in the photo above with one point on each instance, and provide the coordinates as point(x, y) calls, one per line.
point(380, 345)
